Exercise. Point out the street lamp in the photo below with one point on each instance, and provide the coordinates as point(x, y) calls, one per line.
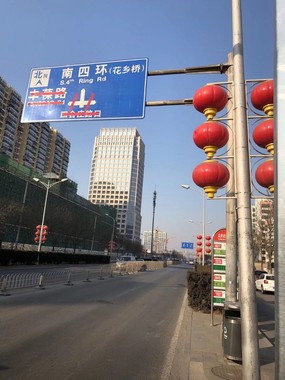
point(48, 185)
point(113, 231)
point(187, 187)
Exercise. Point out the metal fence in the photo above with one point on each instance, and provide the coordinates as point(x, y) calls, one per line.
point(47, 278)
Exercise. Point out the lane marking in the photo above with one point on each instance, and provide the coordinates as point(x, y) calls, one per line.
point(172, 347)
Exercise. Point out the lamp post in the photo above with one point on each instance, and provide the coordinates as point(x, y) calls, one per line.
point(113, 232)
point(187, 187)
point(152, 227)
point(48, 185)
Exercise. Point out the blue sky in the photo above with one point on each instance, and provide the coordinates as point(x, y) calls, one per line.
point(172, 34)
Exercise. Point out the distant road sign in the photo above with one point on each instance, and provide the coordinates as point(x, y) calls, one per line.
point(187, 245)
point(105, 90)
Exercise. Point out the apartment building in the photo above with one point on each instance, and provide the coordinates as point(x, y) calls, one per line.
point(116, 177)
point(35, 145)
point(263, 228)
point(159, 241)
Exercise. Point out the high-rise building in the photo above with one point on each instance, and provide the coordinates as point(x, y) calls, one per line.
point(116, 177)
point(263, 228)
point(159, 241)
point(35, 145)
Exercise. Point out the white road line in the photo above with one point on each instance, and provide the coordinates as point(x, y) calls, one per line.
point(172, 347)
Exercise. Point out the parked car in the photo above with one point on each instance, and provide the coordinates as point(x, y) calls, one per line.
point(265, 283)
point(257, 273)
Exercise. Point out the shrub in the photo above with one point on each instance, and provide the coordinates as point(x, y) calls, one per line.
point(199, 290)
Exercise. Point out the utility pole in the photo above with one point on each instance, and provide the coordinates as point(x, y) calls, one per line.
point(231, 204)
point(279, 206)
point(249, 328)
point(152, 227)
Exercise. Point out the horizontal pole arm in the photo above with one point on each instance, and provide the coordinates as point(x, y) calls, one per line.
point(211, 69)
point(184, 102)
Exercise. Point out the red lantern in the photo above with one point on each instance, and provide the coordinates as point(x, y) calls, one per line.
point(209, 100)
point(263, 135)
point(37, 233)
point(208, 244)
point(199, 237)
point(210, 175)
point(265, 175)
point(262, 97)
point(210, 136)
point(208, 250)
point(199, 243)
point(207, 237)
point(199, 249)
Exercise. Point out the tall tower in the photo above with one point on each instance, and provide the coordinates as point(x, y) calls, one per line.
point(116, 177)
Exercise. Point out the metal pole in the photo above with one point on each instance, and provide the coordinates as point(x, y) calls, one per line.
point(209, 69)
point(279, 205)
point(231, 229)
point(44, 214)
point(152, 227)
point(203, 228)
point(187, 187)
point(49, 176)
point(249, 332)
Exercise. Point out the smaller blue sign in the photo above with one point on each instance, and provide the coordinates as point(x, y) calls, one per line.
point(187, 245)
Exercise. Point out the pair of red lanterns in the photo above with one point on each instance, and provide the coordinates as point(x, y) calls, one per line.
point(211, 136)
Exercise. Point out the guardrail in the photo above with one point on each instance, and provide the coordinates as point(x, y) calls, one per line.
point(44, 279)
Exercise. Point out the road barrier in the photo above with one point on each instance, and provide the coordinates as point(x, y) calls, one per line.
point(4, 287)
point(41, 282)
point(46, 278)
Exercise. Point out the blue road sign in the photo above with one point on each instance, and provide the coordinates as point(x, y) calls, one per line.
point(95, 91)
point(187, 245)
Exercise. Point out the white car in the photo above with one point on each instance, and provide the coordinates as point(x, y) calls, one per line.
point(123, 260)
point(265, 283)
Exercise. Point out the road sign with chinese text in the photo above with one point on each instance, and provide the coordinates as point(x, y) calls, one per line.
point(106, 90)
point(187, 245)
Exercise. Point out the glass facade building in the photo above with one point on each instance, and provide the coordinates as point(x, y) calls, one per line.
point(116, 177)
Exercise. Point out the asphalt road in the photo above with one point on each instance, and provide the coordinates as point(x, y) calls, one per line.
point(119, 328)
point(266, 315)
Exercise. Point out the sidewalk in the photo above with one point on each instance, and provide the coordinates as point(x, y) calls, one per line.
point(199, 353)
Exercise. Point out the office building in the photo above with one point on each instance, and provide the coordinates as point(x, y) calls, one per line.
point(116, 177)
point(35, 145)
